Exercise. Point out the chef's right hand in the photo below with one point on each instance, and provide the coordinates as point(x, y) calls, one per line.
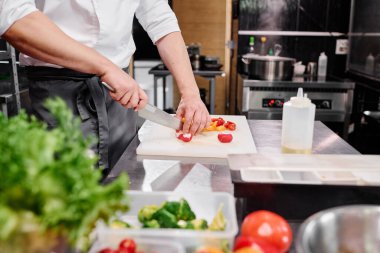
point(126, 90)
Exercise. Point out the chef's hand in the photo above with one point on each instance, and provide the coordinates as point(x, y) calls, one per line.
point(192, 108)
point(126, 90)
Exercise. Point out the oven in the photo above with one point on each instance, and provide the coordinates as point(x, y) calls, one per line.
point(258, 99)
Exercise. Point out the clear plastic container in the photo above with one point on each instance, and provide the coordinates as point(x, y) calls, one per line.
point(298, 125)
point(143, 245)
point(204, 205)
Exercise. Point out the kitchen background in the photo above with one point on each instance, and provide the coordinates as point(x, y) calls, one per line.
point(304, 28)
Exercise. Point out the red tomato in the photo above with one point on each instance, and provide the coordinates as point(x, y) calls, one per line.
point(108, 250)
point(269, 227)
point(127, 246)
point(225, 138)
point(214, 119)
point(220, 122)
point(255, 243)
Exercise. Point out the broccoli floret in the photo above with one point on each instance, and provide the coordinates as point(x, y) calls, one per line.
point(146, 213)
point(171, 206)
point(199, 224)
point(151, 224)
point(185, 224)
point(165, 219)
point(119, 224)
point(185, 213)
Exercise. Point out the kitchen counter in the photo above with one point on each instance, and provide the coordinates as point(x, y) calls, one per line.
point(180, 173)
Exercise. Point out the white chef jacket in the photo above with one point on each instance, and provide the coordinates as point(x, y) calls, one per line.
point(105, 25)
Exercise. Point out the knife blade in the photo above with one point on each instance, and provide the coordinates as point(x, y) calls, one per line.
point(155, 114)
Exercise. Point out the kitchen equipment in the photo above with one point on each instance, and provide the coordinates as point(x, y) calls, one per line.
point(197, 61)
point(311, 69)
point(298, 124)
point(343, 229)
point(264, 99)
point(212, 63)
point(299, 69)
point(161, 141)
point(193, 49)
point(155, 114)
point(204, 204)
point(268, 67)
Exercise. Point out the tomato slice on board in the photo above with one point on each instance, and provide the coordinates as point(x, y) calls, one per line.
point(269, 227)
point(127, 246)
point(225, 138)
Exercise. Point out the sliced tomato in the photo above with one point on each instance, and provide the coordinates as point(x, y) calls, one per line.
point(269, 227)
point(214, 119)
point(255, 243)
point(127, 246)
point(225, 138)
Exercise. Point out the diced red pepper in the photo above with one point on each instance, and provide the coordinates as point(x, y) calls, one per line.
point(185, 137)
point(220, 122)
point(225, 138)
point(230, 125)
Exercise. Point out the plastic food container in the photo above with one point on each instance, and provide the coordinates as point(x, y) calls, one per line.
point(261, 176)
point(143, 245)
point(204, 205)
point(337, 177)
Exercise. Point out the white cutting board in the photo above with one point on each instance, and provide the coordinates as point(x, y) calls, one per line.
point(161, 141)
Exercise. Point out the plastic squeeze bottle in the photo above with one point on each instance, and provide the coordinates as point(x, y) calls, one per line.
point(298, 124)
point(322, 65)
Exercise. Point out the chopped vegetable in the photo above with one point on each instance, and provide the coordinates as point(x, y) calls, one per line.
point(225, 138)
point(146, 213)
point(119, 224)
point(127, 246)
point(199, 224)
point(49, 181)
point(165, 219)
point(176, 214)
point(219, 222)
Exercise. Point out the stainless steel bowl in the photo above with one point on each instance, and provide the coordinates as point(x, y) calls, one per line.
point(348, 229)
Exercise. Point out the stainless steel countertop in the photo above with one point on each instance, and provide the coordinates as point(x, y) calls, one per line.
point(181, 173)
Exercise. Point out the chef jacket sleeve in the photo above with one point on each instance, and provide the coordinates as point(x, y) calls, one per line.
point(157, 18)
point(13, 10)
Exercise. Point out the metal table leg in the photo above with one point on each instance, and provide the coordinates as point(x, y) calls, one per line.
point(212, 94)
point(155, 79)
point(164, 92)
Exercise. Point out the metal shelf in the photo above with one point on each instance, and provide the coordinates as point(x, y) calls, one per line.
point(10, 55)
point(4, 55)
point(292, 33)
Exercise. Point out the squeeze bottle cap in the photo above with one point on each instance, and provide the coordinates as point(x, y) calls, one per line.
point(301, 100)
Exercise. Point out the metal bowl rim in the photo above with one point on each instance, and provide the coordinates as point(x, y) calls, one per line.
point(299, 243)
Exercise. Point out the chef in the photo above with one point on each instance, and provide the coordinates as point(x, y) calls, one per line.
point(70, 46)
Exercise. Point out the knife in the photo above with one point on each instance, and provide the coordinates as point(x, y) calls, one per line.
point(155, 114)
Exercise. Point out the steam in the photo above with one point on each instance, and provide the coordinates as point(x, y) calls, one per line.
point(270, 18)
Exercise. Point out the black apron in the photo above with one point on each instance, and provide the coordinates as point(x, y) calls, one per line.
point(101, 116)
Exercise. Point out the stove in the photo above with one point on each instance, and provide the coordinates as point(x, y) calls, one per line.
point(259, 99)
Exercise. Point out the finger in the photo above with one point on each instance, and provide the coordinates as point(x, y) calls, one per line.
point(180, 113)
point(189, 114)
point(125, 99)
point(196, 122)
point(143, 99)
point(203, 124)
point(134, 101)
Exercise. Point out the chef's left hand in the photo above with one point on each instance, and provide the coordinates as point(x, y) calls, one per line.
point(192, 108)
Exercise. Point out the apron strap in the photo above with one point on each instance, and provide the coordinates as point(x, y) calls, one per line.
point(97, 96)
